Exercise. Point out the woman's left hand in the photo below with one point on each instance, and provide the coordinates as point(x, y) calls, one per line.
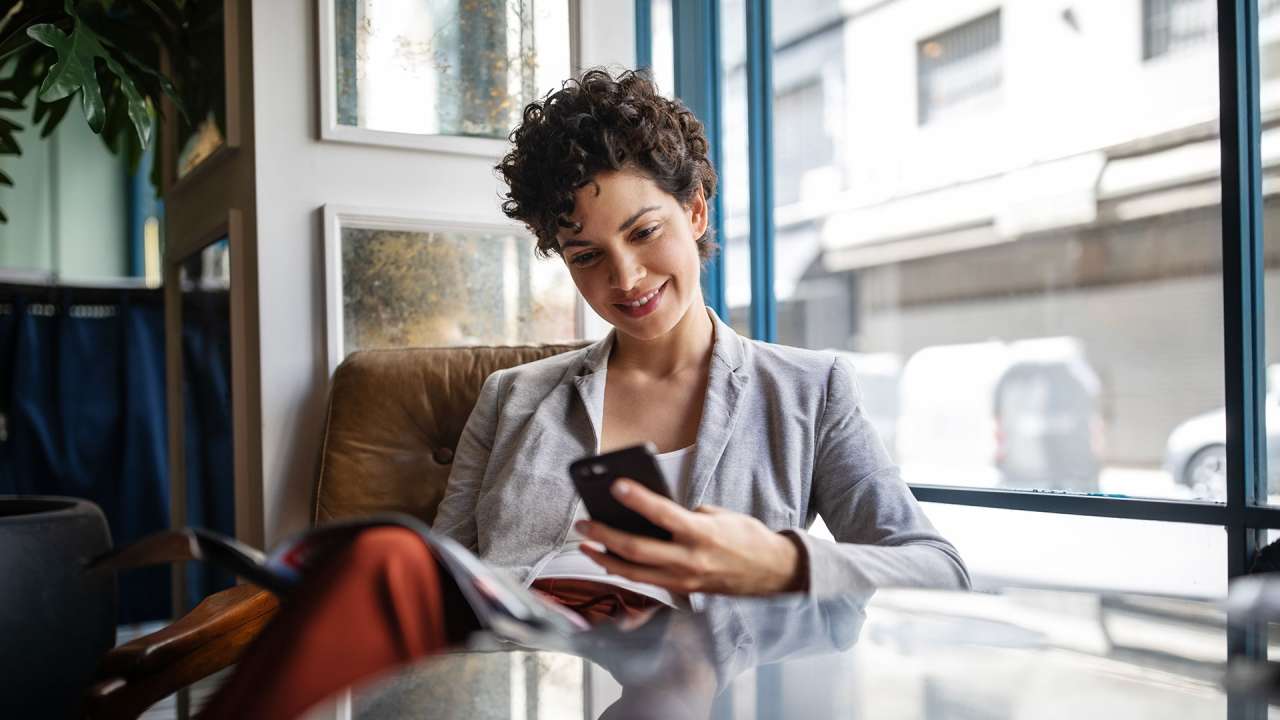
point(712, 550)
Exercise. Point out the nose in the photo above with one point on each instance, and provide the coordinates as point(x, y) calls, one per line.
point(625, 271)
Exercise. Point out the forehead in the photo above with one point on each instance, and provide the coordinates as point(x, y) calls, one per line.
point(612, 197)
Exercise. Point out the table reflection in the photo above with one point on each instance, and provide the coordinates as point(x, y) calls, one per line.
point(1021, 653)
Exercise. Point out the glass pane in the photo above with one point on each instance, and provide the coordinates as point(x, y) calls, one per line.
point(446, 67)
point(1015, 547)
point(205, 281)
point(735, 175)
point(203, 132)
point(1269, 53)
point(1009, 222)
point(664, 59)
point(1273, 627)
point(406, 288)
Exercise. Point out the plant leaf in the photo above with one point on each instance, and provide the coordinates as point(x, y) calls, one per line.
point(75, 71)
point(137, 105)
point(165, 84)
point(5, 179)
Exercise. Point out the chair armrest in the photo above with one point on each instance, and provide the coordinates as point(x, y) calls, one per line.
point(211, 637)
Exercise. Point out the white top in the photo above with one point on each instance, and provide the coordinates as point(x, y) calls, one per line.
point(571, 562)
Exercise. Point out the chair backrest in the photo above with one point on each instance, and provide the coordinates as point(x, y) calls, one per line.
point(393, 422)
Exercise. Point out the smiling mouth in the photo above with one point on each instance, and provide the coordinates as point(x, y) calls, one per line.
point(643, 305)
point(644, 299)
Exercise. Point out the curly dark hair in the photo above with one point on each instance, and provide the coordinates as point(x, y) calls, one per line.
point(597, 123)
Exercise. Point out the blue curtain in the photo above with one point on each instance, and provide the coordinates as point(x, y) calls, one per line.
point(82, 413)
point(206, 369)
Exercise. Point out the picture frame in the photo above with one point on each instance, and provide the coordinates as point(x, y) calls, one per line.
point(333, 131)
point(339, 217)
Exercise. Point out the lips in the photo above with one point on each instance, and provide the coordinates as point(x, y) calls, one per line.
point(644, 304)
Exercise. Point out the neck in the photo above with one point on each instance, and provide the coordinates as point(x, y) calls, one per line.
point(687, 345)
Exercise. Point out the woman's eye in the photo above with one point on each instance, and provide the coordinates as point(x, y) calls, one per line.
point(583, 259)
point(647, 233)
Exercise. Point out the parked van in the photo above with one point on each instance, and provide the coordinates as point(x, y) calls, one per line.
point(1020, 414)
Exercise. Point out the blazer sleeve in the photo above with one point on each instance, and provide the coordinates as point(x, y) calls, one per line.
point(883, 538)
point(456, 516)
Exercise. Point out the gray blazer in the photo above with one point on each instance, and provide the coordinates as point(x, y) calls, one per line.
point(782, 438)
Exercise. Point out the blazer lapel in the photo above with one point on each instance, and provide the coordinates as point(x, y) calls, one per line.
point(725, 382)
point(590, 385)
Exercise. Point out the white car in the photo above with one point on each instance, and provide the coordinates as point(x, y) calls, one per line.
point(1196, 453)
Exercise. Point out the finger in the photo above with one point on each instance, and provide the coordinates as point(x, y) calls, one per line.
point(711, 510)
point(667, 578)
point(636, 548)
point(659, 510)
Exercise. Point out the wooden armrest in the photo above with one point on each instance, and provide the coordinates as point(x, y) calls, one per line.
point(139, 673)
point(217, 616)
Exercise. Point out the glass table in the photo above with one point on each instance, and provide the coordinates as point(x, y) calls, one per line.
point(1019, 653)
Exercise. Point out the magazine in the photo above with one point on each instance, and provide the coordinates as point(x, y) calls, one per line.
point(501, 605)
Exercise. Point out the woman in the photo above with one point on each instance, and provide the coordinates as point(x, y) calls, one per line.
point(756, 439)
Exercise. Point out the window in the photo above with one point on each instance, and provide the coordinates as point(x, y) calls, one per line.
point(1040, 301)
point(1169, 26)
point(1172, 25)
point(960, 69)
point(801, 143)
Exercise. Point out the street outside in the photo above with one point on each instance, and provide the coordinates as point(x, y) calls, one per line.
point(1004, 547)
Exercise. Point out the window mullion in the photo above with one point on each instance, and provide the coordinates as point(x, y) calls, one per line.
point(1242, 281)
point(764, 324)
point(695, 36)
point(644, 34)
point(1242, 248)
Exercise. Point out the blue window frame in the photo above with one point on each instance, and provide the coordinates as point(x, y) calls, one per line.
point(1244, 515)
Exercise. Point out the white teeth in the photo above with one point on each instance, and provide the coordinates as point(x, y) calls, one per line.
point(646, 298)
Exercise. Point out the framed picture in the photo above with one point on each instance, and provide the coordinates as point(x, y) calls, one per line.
point(440, 75)
point(402, 279)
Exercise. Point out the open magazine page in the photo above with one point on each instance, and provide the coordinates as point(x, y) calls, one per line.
point(500, 604)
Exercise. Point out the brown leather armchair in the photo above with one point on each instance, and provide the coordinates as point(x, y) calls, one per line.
point(394, 418)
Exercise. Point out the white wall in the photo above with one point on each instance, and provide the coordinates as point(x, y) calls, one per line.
point(71, 184)
point(297, 175)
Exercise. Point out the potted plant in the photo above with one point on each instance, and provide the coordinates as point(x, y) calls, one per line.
point(108, 55)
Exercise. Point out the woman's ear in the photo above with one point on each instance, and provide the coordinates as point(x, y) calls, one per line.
point(697, 212)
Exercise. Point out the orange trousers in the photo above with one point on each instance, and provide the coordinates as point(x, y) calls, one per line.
point(378, 604)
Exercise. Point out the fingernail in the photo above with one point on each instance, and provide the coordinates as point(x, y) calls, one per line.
point(582, 526)
point(621, 488)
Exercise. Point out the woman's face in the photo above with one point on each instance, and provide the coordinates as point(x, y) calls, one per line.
point(635, 260)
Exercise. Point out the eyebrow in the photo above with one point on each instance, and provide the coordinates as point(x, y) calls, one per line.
point(632, 220)
point(621, 228)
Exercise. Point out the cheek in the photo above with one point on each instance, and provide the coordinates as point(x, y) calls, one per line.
point(588, 283)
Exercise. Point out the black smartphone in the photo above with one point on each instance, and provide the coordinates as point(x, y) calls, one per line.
point(593, 477)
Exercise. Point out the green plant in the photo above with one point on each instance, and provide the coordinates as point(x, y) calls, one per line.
point(109, 53)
